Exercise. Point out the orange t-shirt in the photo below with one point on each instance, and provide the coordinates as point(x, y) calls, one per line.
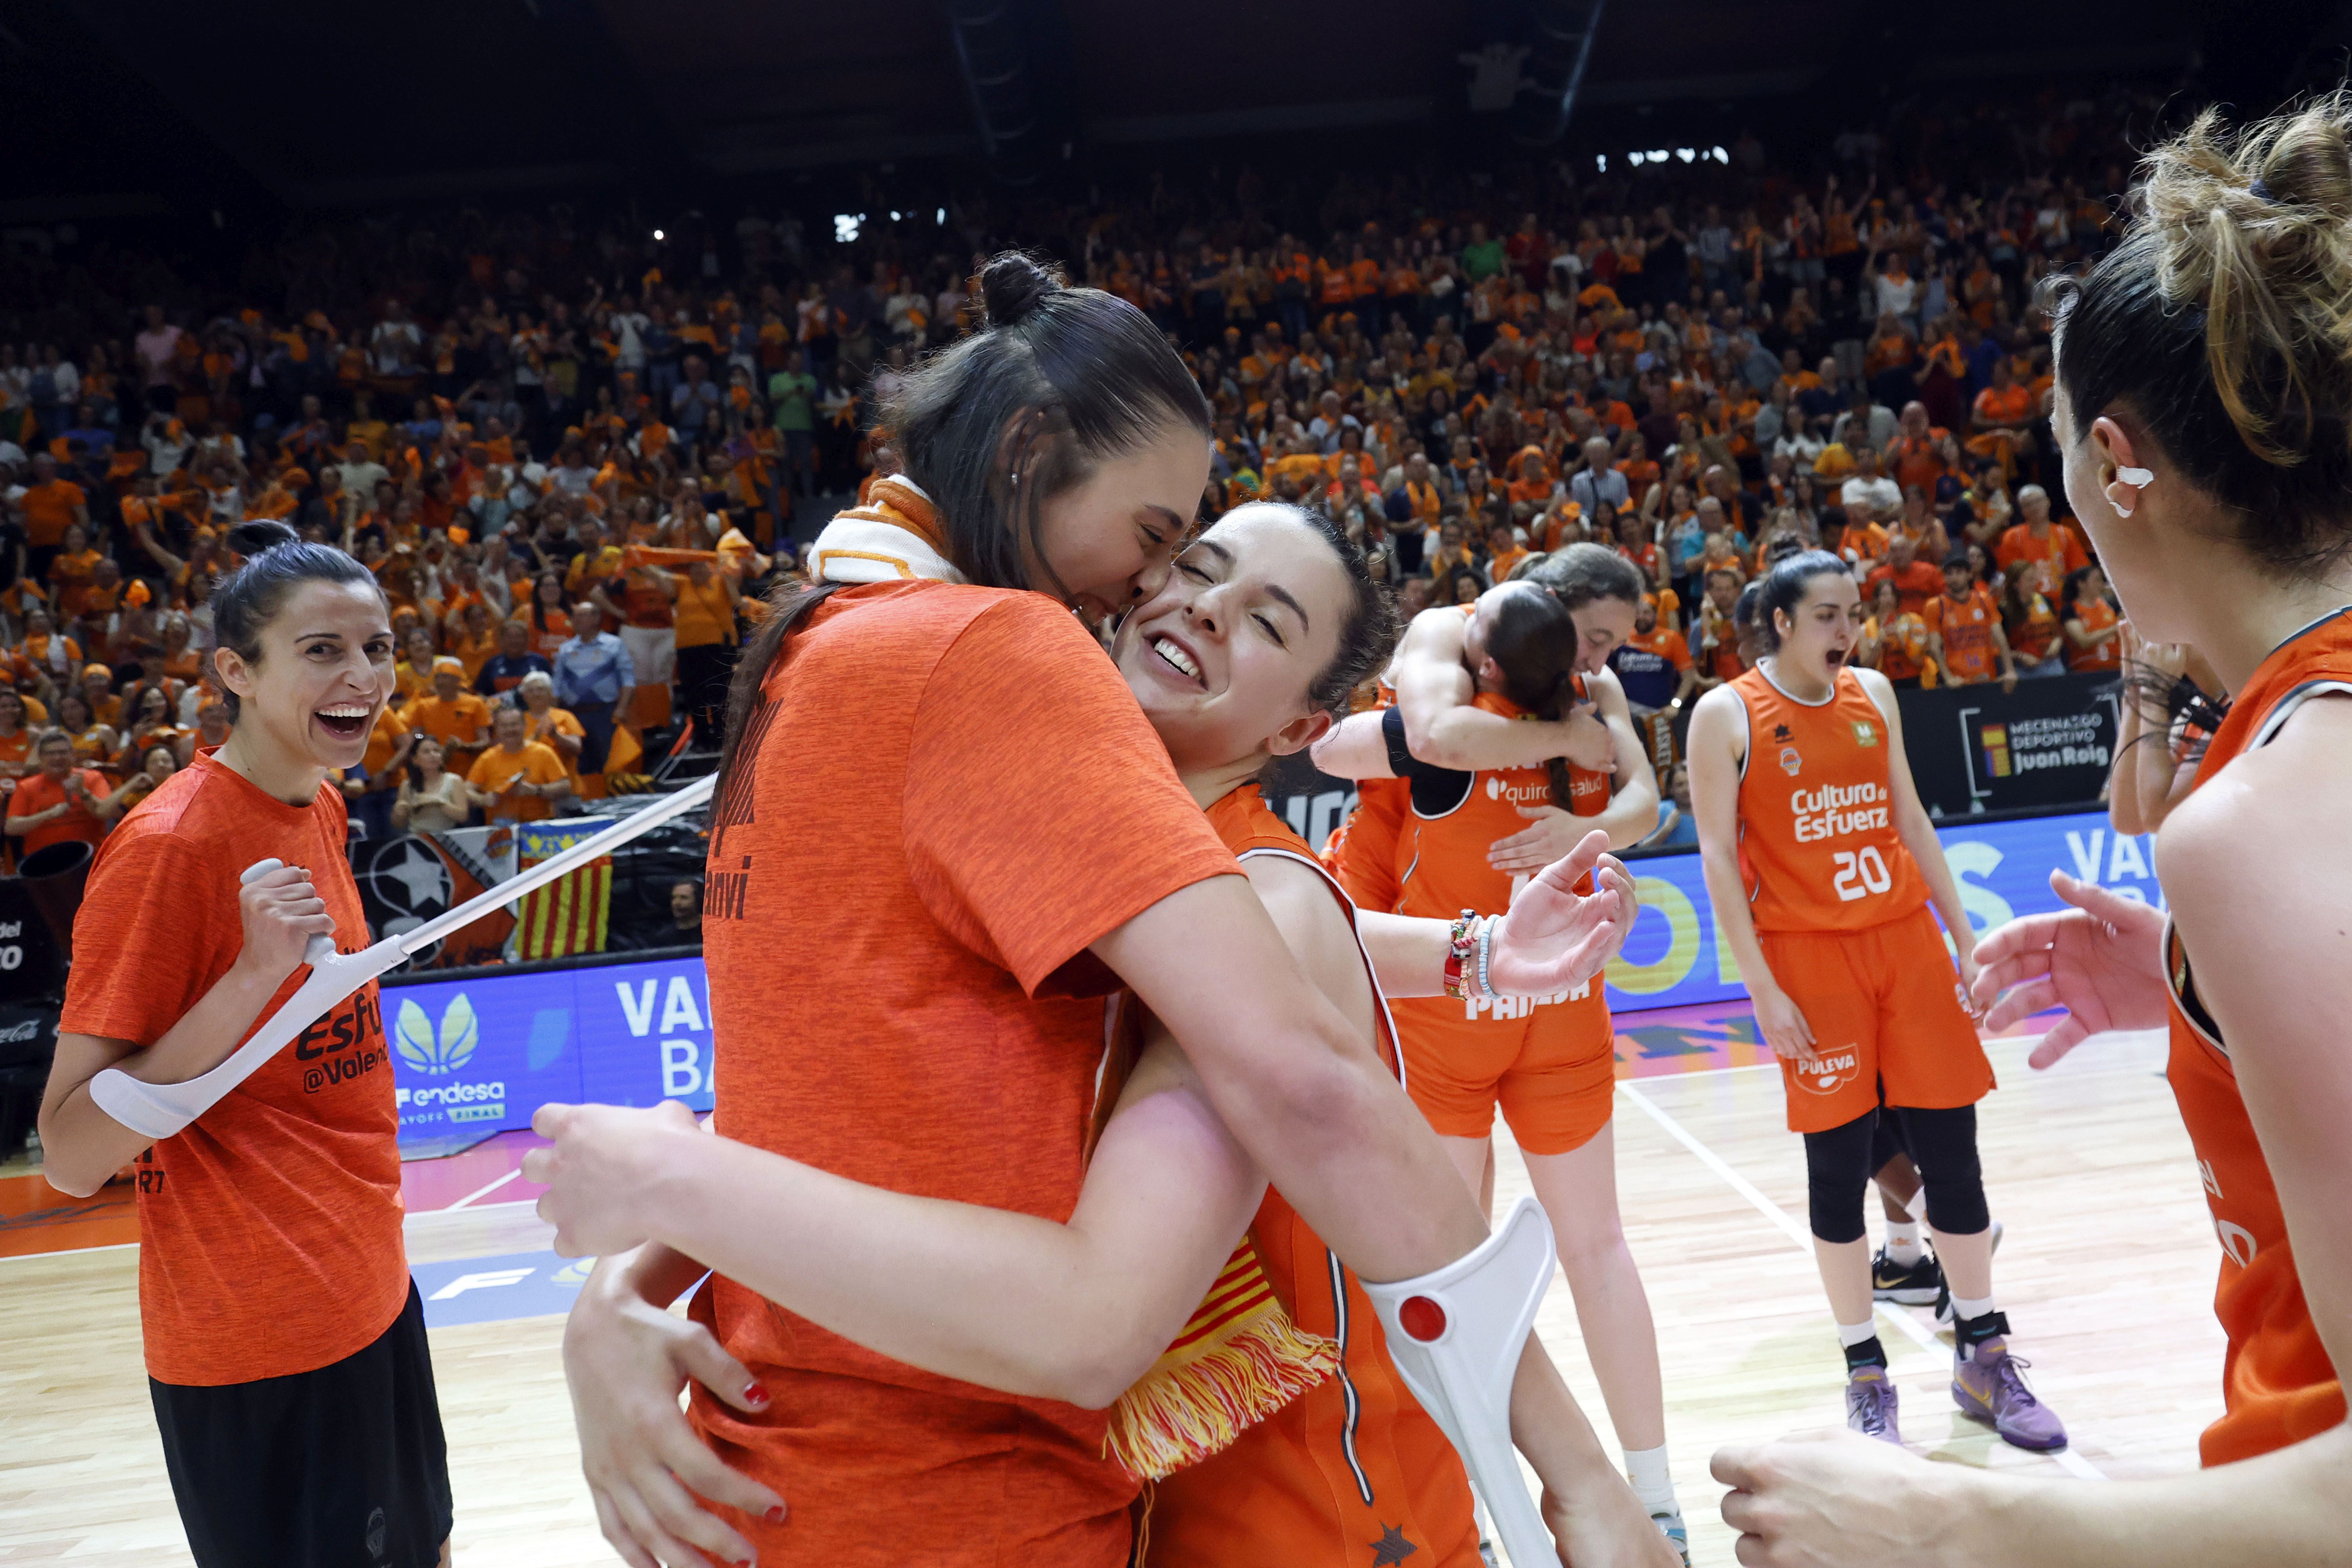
point(2278, 1383)
point(384, 739)
point(37, 792)
point(1292, 1488)
point(2096, 615)
point(1914, 586)
point(72, 574)
point(463, 723)
point(972, 783)
point(1902, 645)
point(1967, 626)
point(1818, 846)
point(558, 633)
point(2004, 407)
point(269, 1230)
point(50, 511)
point(704, 614)
point(497, 768)
point(2060, 548)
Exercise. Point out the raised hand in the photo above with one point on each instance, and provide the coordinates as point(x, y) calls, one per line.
point(1554, 939)
point(281, 911)
point(2102, 961)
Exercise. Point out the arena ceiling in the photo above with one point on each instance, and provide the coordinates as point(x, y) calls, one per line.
point(127, 107)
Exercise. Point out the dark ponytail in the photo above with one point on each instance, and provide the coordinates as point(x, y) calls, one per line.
point(1533, 642)
point(277, 561)
point(1783, 588)
point(1058, 380)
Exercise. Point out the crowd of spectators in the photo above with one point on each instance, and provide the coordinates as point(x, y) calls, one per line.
point(573, 449)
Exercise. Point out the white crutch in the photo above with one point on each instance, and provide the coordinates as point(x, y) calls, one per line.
point(161, 1109)
point(1456, 1335)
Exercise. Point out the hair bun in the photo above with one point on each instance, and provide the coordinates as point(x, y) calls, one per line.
point(250, 539)
point(1012, 286)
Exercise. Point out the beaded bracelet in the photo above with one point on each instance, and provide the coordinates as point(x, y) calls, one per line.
point(1485, 949)
point(1460, 944)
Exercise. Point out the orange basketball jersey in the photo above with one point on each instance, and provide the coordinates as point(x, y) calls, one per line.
point(1818, 848)
point(1442, 866)
point(2278, 1385)
point(1354, 1465)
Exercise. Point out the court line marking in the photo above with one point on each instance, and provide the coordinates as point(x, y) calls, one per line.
point(482, 1193)
point(2065, 1458)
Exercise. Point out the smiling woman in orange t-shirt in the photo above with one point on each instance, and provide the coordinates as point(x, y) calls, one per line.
point(947, 757)
point(275, 1300)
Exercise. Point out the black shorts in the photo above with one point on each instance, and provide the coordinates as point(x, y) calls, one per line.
point(344, 1466)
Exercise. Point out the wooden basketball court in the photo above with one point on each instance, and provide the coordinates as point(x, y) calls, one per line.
point(2106, 1273)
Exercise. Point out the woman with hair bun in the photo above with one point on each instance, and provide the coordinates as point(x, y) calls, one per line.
point(944, 833)
point(2203, 410)
point(1821, 864)
point(285, 1350)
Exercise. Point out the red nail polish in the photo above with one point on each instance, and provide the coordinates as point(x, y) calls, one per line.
point(776, 1514)
point(755, 1394)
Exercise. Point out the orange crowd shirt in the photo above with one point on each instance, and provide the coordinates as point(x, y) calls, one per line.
point(2278, 1383)
point(2060, 548)
point(270, 1238)
point(37, 792)
point(971, 784)
point(1967, 626)
point(1818, 845)
point(497, 768)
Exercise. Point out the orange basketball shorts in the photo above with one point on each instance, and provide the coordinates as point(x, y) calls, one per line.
point(1550, 1065)
point(1889, 1019)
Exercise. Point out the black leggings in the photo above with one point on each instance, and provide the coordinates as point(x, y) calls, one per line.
point(1943, 1143)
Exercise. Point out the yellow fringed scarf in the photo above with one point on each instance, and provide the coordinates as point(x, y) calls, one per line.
point(1239, 1358)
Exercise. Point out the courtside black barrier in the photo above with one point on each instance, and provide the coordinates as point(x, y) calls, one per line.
point(2047, 745)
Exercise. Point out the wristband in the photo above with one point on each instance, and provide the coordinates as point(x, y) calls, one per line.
point(1485, 951)
point(1460, 946)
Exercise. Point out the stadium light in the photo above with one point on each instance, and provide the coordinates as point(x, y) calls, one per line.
point(1602, 159)
point(1636, 159)
point(1720, 156)
point(894, 214)
point(941, 219)
point(844, 227)
point(658, 233)
point(1686, 155)
point(1659, 156)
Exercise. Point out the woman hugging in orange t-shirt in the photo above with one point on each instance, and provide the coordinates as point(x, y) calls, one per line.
point(1065, 445)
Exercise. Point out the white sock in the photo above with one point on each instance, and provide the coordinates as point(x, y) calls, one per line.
point(1646, 1469)
point(1853, 1334)
point(1902, 1243)
point(1967, 1307)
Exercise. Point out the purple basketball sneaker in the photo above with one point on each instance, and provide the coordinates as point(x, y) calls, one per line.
point(1991, 1385)
point(1870, 1404)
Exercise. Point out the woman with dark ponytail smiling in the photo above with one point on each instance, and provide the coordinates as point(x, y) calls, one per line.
point(944, 834)
point(285, 1349)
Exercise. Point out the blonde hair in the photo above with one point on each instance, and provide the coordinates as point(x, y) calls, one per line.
point(2220, 328)
point(2257, 224)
